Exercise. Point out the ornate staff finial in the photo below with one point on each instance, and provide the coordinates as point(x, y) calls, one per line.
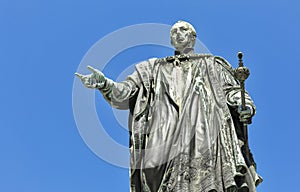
point(242, 72)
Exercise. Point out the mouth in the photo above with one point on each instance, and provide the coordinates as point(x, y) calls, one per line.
point(180, 39)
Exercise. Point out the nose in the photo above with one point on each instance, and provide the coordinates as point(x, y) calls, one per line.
point(179, 32)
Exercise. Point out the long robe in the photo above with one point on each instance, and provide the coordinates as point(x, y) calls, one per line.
point(182, 135)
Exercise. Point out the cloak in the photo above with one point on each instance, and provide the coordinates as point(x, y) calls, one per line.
point(182, 133)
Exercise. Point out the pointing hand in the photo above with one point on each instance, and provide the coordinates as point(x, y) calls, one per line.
point(95, 80)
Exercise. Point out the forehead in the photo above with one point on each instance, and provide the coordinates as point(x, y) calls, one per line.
point(180, 25)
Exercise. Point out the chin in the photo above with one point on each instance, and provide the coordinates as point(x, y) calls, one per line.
point(180, 48)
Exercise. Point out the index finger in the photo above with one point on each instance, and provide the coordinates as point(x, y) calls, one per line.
point(93, 69)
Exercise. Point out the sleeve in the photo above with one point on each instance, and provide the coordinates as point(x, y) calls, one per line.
point(118, 94)
point(231, 86)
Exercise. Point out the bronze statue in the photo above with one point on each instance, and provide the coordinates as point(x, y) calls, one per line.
point(187, 120)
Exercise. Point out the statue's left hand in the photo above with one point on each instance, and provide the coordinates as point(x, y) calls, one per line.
point(96, 80)
point(245, 114)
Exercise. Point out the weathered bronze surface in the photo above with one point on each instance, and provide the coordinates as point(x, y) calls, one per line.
point(188, 118)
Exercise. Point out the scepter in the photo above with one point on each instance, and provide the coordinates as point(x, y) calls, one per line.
point(241, 74)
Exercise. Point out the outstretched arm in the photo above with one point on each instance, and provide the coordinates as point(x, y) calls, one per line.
point(116, 94)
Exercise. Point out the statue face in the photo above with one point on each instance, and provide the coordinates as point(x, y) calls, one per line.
point(181, 36)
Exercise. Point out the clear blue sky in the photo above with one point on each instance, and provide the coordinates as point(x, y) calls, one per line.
point(43, 42)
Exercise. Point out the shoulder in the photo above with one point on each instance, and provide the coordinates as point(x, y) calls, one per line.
point(145, 69)
point(146, 65)
point(224, 64)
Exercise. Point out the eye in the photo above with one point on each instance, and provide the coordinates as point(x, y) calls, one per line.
point(183, 28)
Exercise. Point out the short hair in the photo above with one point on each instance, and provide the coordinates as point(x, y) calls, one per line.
point(188, 26)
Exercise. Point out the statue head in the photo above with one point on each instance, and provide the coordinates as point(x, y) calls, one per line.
point(183, 36)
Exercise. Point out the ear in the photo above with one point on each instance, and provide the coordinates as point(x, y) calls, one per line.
point(192, 40)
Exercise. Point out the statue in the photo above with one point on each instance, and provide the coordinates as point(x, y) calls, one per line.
point(186, 122)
